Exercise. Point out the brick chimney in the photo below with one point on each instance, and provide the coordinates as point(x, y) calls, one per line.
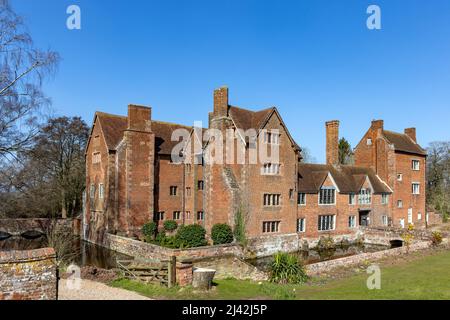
point(139, 118)
point(332, 142)
point(221, 102)
point(411, 132)
point(377, 124)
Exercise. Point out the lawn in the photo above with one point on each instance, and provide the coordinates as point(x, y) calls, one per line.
point(425, 277)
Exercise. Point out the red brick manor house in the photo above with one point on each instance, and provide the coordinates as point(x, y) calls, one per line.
point(131, 177)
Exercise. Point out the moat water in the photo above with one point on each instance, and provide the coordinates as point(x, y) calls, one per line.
point(314, 255)
point(85, 253)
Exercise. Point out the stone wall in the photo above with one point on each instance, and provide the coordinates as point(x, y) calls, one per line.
point(232, 267)
point(150, 251)
point(327, 266)
point(28, 275)
point(16, 227)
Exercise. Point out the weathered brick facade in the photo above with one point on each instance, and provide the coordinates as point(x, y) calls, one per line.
point(131, 157)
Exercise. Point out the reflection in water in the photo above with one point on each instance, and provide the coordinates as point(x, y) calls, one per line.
point(88, 254)
point(314, 255)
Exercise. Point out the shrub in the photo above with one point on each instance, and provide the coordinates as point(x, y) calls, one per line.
point(326, 243)
point(436, 238)
point(221, 233)
point(239, 227)
point(191, 236)
point(149, 230)
point(286, 268)
point(170, 225)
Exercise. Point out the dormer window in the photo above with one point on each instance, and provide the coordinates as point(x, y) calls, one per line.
point(327, 196)
point(365, 196)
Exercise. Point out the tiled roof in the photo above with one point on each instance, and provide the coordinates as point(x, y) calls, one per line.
point(349, 179)
point(403, 142)
point(246, 119)
point(113, 127)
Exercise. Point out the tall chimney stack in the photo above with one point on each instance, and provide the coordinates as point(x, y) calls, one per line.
point(411, 132)
point(221, 102)
point(139, 118)
point(332, 142)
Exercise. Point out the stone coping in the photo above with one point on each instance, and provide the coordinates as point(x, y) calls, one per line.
point(26, 256)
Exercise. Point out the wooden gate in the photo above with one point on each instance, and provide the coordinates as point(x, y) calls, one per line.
point(149, 271)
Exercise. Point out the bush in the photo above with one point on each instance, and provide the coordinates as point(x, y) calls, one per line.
point(191, 236)
point(221, 233)
point(286, 268)
point(170, 225)
point(436, 238)
point(149, 230)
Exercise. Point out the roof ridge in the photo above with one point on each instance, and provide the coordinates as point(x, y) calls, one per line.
point(109, 114)
point(253, 111)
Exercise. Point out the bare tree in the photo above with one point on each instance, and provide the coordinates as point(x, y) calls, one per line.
point(438, 177)
point(22, 71)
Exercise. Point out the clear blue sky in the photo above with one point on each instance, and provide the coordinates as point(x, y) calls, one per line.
point(313, 59)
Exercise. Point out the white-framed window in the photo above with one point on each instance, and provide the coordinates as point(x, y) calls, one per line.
point(271, 169)
point(92, 191)
point(327, 196)
point(352, 221)
point(158, 216)
point(301, 225)
point(385, 198)
point(188, 215)
point(400, 204)
point(351, 199)
point(326, 223)
point(385, 220)
point(271, 137)
point(365, 196)
point(419, 216)
point(200, 216)
point(101, 191)
point(302, 199)
point(188, 168)
point(271, 226)
point(415, 188)
point(271, 200)
point(96, 157)
point(201, 185)
point(416, 165)
point(410, 216)
point(369, 142)
point(399, 177)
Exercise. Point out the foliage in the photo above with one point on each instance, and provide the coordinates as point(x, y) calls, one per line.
point(326, 243)
point(221, 233)
point(23, 68)
point(436, 238)
point(239, 227)
point(49, 178)
point(149, 230)
point(61, 239)
point(286, 268)
point(170, 225)
point(408, 236)
point(191, 236)
point(345, 152)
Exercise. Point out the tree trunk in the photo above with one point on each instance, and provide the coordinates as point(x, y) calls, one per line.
point(63, 207)
point(202, 278)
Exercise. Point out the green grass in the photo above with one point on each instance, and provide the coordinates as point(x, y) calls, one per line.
point(423, 278)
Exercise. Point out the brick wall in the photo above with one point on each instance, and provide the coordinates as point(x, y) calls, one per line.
point(28, 275)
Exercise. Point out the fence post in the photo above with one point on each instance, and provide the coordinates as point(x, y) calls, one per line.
point(172, 271)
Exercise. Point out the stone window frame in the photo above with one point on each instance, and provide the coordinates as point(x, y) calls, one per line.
point(269, 137)
point(200, 216)
point(271, 226)
point(96, 157)
point(414, 191)
point(159, 216)
point(101, 191)
point(301, 196)
point(385, 220)
point(92, 191)
point(352, 222)
point(301, 225)
point(188, 192)
point(173, 190)
point(271, 169)
point(200, 185)
point(271, 200)
point(324, 224)
point(415, 165)
point(385, 198)
point(325, 198)
point(352, 199)
point(176, 215)
point(365, 196)
point(400, 204)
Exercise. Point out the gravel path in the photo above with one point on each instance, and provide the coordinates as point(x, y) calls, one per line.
point(91, 290)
